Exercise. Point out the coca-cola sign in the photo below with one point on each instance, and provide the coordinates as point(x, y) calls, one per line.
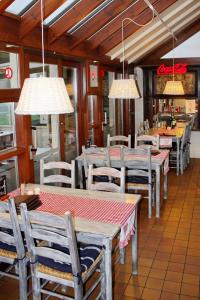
point(176, 69)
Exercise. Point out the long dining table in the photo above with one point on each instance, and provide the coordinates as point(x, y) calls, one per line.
point(99, 218)
point(160, 163)
point(167, 137)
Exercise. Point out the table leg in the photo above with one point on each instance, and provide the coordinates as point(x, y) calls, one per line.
point(157, 191)
point(80, 174)
point(177, 157)
point(165, 186)
point(134, 247)
point(108, 268)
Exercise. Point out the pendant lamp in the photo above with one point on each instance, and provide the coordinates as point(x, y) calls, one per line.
point(44, 95)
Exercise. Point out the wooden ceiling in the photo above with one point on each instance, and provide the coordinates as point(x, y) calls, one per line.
point(93, 28)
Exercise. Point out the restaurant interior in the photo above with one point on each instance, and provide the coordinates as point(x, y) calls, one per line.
point(99, 111)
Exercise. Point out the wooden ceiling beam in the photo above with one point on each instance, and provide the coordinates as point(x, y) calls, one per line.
point(144, 17)
point(32, 18)
point(132, 12)
point(153, 57)
point(9, 33)
point(100, 20)
point(4, 4)
point(70, 18)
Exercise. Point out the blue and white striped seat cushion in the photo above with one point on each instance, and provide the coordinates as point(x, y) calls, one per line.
point(87, 254)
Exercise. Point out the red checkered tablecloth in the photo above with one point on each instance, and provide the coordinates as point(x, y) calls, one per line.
point(122, 214)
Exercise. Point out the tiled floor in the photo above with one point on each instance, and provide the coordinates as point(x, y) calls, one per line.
point(169, 248)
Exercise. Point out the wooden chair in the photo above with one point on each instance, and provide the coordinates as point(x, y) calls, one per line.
point(12, 251)
point(139, 174)
point(57, 178)
point(120, 139)
point(180, 154)
point(113, 176)
point(96, 156)
point(145, 140)
point(59, 258)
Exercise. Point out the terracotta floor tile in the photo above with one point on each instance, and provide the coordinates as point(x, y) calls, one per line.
point(122, 277)
point(190, 290)
point(169, 296)
point(177, 258)
point(133, 291)
point(154, 283)
point(191, 279)
point(150, 294)
point(146, 262)
point(191, 269)
point(193, 260)
point(119, 288)
point(144, 271)
point(179, 250)
point(184, 297)
point(159, 264)
point(171, 286)
point(137, 280)
point(163, 256)
point(157, 273)
point(174, 276)
point(175, 267)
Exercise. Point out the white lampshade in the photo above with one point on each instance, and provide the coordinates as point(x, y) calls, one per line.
point(44, 96)
point(124, 89)
point(174, 88)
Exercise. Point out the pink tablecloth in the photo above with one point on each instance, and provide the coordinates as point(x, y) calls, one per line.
point(122, 214)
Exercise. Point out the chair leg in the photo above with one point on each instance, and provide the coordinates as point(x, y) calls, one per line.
point(78, 290)
point(181, 161)
point(150, 203)
point(122, 256)
point(36, 288)
point(23, 280)
point(103, 280)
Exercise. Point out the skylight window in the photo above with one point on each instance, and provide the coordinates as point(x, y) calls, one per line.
point(60, 11)
point(90, 16)
point(19, 7)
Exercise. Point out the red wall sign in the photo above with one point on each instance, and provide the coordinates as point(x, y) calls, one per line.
point(176, 69)
point(8, 72)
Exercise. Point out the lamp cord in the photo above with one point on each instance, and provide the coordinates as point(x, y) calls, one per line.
point(42, 18)
point(136, 23)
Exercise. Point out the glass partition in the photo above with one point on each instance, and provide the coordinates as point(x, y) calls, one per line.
point(71, 120)
point(9, 168)
point(7, 126)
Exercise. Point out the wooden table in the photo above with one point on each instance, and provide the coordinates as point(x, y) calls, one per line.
point(158, 162)
point(96, 232)
point(175, 134)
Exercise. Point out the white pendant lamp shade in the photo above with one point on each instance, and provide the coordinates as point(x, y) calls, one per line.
point(44, 96)
point(124, 89)
point(174, 88)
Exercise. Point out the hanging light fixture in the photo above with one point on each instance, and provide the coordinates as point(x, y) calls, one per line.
point(127, 88)
point(173, 87)
point(44, 95)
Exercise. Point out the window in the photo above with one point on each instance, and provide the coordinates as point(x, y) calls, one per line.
point(9, 71)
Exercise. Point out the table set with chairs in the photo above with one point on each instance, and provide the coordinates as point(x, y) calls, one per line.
point(112, 181)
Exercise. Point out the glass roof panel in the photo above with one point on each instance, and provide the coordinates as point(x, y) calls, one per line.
point(91, 15)
point(60, 11)
point(18, 7)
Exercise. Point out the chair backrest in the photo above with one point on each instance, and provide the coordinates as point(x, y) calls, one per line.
point(57, 178)
point(145, 140)
point(146, 125)
point(111, 185)
point(95, 156)
point(186, 135)
point(10, 233)
point(120, 139)
point(3, 185)
point(138, 162)
point(54, 230)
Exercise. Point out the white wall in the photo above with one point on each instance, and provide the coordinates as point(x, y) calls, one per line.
point(195, 144)
point(139, 103)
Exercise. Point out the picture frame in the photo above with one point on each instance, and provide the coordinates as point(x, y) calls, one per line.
point(188, 80)
point(93, 76)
